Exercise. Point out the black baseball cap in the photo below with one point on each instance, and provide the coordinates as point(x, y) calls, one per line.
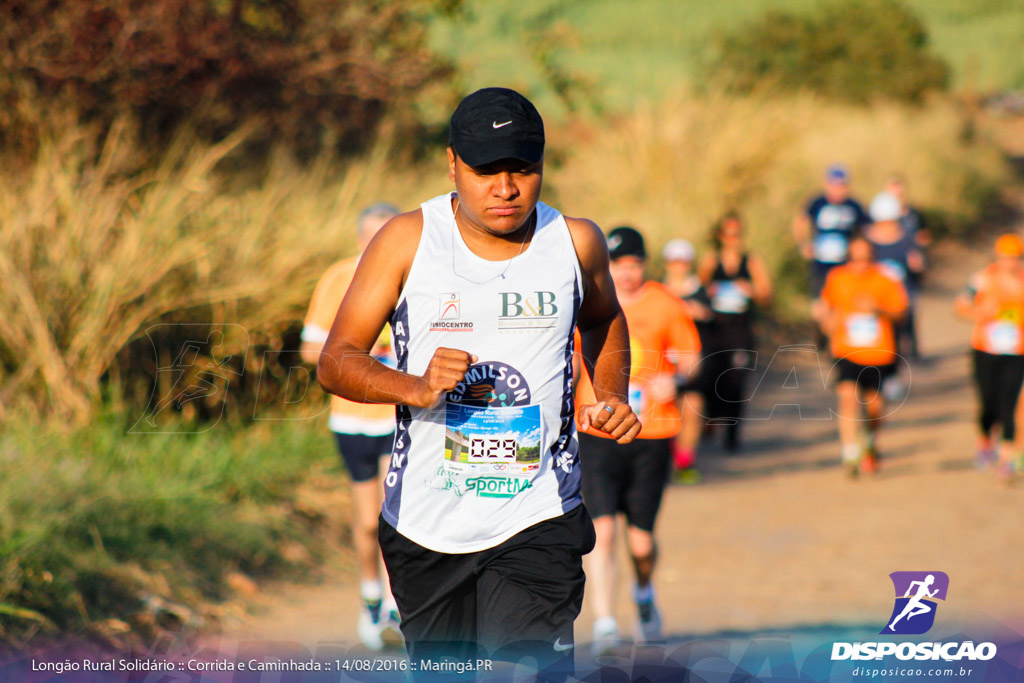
point(626, 241)
point(496, 123)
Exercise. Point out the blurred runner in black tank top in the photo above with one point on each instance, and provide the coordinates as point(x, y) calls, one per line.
point(735, 281)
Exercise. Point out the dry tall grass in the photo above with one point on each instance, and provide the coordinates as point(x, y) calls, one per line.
point(89, 254)
point(673, 168)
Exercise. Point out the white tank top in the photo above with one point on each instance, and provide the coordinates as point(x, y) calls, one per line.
point(500, 454)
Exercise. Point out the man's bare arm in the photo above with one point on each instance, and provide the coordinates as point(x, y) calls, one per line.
point(602, 326)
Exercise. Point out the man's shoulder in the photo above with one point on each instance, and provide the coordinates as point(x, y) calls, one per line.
point(661, 298)
point(815, 203)
point(585, 234)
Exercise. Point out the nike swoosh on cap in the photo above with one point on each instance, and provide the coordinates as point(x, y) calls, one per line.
point(500, 125)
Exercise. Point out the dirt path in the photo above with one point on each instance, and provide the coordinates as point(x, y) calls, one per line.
point(778, 539)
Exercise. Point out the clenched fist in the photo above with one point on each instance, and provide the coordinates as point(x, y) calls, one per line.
point(446, 369)
point(617, 420)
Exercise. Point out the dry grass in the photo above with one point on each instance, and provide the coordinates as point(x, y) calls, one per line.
point(90, 254)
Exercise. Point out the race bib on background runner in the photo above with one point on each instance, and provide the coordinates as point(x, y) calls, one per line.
point(636, 398)
point(863, 329)
point(830, 247)
point(729, 298)
point(1003, 337)
point(893, 270)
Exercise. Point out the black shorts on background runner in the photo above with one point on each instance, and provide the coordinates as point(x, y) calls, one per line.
point(869, 377)
point(516, 600)
point(628, 478)
point(361, 453)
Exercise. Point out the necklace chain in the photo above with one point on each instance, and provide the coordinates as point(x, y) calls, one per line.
point(522, 245)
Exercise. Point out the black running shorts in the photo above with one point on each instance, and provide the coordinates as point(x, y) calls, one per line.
point(870, 377)
point(361, 454)
point(627, 478)
point(518, 599)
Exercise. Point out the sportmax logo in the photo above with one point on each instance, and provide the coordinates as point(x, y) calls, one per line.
point(536, 311)
point(498, 487)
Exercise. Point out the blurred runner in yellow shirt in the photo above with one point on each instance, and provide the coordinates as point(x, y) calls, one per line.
point(364, 433)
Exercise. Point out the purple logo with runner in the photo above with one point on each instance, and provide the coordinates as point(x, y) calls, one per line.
point(916, 601)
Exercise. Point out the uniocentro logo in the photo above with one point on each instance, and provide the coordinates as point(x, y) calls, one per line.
point(913, 613)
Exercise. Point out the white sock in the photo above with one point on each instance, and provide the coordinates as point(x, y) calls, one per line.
point(369, 589)
point(606, 625)
point(851, 452)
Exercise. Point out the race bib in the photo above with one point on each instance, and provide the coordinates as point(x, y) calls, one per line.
point(830, 247)
point(863, 330)
point(1003, 337)
point(493, 440)
point(893, 270)
point(729, 298)
point(636, 397)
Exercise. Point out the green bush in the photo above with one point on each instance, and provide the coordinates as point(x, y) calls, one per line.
point(98, 524)
point(854, 50)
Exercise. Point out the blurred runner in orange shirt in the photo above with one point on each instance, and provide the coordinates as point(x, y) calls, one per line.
point(630, 478)
point(994, 300)
point(364, 433)
point(861, 304)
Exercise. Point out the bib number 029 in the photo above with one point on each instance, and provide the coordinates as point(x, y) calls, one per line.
point(488, 449)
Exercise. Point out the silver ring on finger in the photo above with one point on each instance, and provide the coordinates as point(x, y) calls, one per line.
point(609, 409)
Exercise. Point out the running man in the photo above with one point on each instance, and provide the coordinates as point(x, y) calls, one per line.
point(994, 301)
point(482, 530)
point(363, 433)
point(629, 479)
point(822, 231)
point(916, 605)
point(861, 304)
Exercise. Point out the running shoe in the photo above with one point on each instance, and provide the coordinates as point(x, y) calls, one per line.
point(986, 457)
point(869, 462)
point(1007, 472)
point(649, 622)
point(687, 476)
point(606, 636)
point(369, 625)
point(391, 626)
